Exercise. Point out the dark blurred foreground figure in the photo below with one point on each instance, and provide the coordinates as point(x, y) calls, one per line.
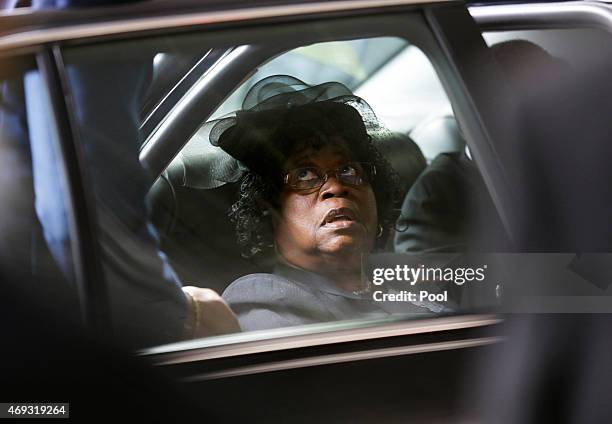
point(147, 302)
point(551, 369)
point(565, 152)
point(45, 357)
point(558, 368)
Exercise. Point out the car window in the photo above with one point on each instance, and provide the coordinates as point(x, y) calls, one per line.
point(350, 62)
point(415, 112)
point(302, 195)
point(374, 69)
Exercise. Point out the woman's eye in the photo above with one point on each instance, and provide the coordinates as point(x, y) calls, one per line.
point(348, 170)
point(306, 174)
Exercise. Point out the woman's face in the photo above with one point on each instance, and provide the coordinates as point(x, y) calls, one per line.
point(328, 226)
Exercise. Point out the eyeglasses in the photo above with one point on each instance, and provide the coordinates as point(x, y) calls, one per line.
point(312, 177)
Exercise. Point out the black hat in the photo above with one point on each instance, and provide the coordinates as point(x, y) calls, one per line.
point(278, 112)
point(263, 140)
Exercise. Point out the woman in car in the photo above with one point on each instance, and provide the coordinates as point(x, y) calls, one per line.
point(317, 193)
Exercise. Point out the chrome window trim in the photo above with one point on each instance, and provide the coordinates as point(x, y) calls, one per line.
point(164, 128)
point(231, 345)
point(343, 357)
point(71, 32)
point(174, 87)
point(525, 16)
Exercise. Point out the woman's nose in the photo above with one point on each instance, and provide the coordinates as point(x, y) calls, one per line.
point(333, 188)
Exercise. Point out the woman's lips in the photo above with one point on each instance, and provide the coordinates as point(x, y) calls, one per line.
point(340, 218)
point(340, 224)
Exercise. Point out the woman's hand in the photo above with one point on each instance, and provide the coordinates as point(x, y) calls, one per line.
point(207, 314)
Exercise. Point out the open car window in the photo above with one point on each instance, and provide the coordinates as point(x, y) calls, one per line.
point(289, 186)
point(375, 69)
point(349, 62)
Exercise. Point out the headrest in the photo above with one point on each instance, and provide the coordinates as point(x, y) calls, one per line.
point(405, 157)
point(438, 135)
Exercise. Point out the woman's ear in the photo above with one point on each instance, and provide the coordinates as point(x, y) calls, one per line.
point(269, 211)
point(275, 217)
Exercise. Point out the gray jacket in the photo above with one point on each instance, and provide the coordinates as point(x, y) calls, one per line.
point(294, 296)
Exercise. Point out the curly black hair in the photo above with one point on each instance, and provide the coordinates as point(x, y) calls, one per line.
point(251, 213)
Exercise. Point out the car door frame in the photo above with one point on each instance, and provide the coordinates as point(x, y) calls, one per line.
point(468, 82)
point(466, 79)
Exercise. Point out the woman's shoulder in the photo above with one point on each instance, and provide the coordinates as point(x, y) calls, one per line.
point(264, 287)
point(263, 301)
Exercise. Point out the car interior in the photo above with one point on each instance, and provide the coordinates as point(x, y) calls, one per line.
point(193, 223)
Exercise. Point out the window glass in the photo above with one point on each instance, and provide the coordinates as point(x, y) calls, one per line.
point(36, 248)
point(350, 62)
point(406, 92)
point(375, 69)
point(419, 127)
point(308, 173)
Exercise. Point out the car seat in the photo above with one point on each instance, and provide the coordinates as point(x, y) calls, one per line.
point(436, 135)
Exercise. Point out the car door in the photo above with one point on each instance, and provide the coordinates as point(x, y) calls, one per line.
point(371, 370)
